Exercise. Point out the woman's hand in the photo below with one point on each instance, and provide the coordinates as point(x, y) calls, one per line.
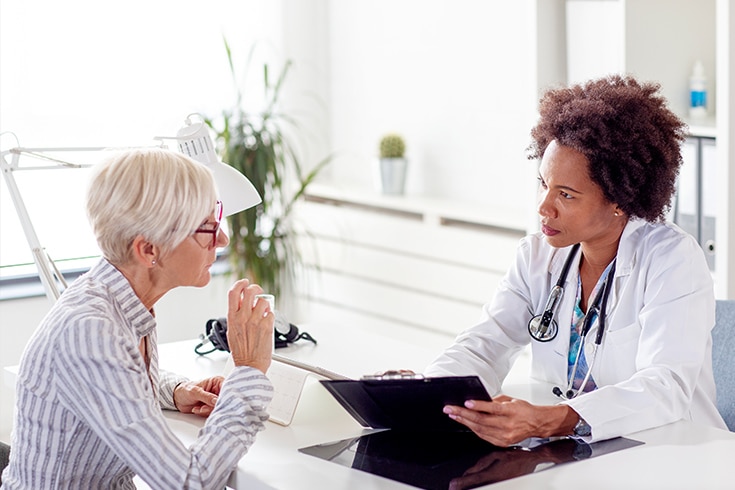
point(249, 326)
point(506, 421)
point(198, 397)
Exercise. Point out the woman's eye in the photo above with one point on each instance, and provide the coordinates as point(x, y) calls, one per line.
point(541, 182)
point(565, 195)
point(207, 226)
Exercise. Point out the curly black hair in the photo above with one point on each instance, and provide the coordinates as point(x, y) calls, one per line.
point(627, 132)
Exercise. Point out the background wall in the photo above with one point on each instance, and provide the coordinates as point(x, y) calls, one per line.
point(452, 78)
point(459, 80)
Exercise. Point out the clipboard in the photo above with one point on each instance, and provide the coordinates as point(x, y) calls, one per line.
point(407, 404)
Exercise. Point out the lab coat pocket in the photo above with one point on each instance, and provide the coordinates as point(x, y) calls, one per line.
point(623, 335)
point(619, 349)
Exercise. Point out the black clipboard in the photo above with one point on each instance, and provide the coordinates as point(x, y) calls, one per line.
point(412, 404)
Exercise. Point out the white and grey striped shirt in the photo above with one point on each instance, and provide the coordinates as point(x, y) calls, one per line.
point(88, 412)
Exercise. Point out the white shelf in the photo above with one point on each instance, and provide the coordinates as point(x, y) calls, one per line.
point(706, 128)
point(440, 211)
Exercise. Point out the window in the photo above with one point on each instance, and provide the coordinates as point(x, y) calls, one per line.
point(82, 73)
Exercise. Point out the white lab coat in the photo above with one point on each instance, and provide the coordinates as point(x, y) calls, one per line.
point(655, 362)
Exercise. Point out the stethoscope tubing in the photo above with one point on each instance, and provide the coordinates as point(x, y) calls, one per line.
point(543, 327)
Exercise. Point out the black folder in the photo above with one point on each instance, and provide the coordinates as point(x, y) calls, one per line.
point(406, 404)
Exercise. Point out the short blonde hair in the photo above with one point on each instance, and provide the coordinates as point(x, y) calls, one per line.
point(158, 194)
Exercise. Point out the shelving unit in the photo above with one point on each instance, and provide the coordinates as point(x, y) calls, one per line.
point(660, 40)
point(695, 205)
point(386, 260)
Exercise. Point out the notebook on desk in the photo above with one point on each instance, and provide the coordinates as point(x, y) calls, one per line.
point(288, 377)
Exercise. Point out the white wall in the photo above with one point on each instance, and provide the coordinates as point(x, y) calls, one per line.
point(87, 73)
point(725, 233)
point(458, 79)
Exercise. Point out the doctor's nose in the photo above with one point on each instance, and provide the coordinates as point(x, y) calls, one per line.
point(545, 209)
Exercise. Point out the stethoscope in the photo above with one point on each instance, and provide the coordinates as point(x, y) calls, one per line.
point(544, 328)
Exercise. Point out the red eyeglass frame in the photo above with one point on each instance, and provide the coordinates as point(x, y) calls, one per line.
point(218, 220)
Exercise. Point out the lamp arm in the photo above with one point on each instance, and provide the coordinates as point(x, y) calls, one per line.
point(50, 276)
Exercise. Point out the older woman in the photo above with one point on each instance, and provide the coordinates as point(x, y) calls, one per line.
point(627, 344)
point(89, 391)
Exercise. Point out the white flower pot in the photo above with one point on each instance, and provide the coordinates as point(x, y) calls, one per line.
point(393, 175)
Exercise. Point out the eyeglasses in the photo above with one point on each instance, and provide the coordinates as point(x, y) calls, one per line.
point(213, 231)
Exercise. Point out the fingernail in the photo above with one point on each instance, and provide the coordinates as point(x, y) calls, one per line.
point(447, 410)
point(469, 404)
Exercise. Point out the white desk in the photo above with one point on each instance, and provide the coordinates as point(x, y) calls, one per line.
point(677, 456)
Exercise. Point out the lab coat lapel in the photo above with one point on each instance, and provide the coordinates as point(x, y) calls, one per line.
point(553, 354)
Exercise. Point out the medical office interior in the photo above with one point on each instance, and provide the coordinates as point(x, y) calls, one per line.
point(459, 80)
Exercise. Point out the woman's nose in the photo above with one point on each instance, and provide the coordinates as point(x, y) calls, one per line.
point(545, 209)
point(222, 238)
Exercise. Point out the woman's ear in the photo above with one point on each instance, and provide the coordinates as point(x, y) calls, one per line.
point(144, 252)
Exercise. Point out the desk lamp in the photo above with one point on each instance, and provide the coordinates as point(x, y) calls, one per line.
point(236, 192)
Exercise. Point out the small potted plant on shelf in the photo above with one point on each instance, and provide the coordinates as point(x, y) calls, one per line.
point(393, 164)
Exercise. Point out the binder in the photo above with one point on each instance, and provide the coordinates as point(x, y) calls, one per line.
point(408, 404)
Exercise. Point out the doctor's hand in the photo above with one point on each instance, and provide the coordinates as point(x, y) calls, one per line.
point(198, 397)
point(506, 421)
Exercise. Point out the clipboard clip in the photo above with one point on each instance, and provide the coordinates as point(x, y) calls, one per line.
point(393, 374)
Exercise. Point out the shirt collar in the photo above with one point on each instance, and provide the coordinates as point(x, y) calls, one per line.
point(628, 246)
point(625, 256)
point(132, 308)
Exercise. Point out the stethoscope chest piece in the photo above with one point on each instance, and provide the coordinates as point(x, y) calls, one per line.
point(543, 329)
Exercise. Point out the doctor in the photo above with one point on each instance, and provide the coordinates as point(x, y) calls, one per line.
point(619, 324)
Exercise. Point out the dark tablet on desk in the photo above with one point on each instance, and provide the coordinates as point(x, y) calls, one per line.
point(438, 460)
point(406, 404)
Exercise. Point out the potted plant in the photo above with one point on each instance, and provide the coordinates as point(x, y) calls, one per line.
point(393, 164)
point(262, 240)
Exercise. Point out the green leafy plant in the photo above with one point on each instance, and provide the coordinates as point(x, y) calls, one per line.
point(262, 240)
point(392, 145)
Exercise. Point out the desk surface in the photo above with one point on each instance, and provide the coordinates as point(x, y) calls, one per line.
point(679, 455)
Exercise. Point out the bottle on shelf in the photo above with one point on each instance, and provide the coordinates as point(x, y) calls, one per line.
point(698, 92)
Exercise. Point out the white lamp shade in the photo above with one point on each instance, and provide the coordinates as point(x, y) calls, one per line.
point(236, 192)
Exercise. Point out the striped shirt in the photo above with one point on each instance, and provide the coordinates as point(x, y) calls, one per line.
point(88, 409)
